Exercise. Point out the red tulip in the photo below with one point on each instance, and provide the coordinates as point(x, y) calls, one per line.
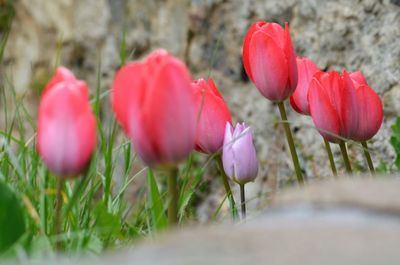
point(66, 125)
point(154, 102)
point(333, 106)
point(213, 113)
point(306, 70)
point(270, 61)
point(369, 106)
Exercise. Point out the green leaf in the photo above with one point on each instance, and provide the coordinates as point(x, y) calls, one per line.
point(159, 219)
point(12, 223)
point(107, 223)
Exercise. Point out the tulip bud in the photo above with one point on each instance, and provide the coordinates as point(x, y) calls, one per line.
point(66, 133)
point(306, 70)
point(239, 154)
point(154, 102)
point(369, 107)
point(270, 61)
point(333, 106)
point(213, 113)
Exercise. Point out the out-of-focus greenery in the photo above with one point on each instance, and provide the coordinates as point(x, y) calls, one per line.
point(6, 14)
point(395, 141)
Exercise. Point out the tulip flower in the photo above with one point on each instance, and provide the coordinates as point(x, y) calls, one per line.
point(213, 113)
point(239, 157)
point(66, 133)
point(239, 154)
point(270, 61)
point(369, 109)
point(306, 69)
point(333, 108)
point(154, 102)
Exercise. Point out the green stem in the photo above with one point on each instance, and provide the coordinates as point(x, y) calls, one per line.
point(346, 160)
point(242, 201)
point(292, 148)
point(232, 204)
point(368, 157)
point(57, 217)
point(173, 196)
point(330, 155)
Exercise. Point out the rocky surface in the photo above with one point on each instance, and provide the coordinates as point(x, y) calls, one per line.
point(208, 34)
point(348, 221)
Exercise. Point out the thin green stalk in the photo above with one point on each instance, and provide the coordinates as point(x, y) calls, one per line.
point(242, 201)
point(232, 204)
point(330, 155)
point(292, 148)
point(368, 157)
point(57, 217)
point(346, 159)
point(173, 193)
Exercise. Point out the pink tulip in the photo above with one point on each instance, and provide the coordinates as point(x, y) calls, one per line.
point(306, 70)
point(213, 113)
point(369, 107)
point(66, 134)
point(239, 154)
point(154, 102)
point(333, 106)
point(270, 61)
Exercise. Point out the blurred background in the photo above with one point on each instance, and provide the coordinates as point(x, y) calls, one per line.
point(86, 36)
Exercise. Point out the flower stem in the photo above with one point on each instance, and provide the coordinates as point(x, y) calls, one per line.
point(368, 157)
point(242, 201)
point(292, 148)
point(232, 204)
point(330, 155)
point(57, 217)
point(173, 196)
point(346, 160)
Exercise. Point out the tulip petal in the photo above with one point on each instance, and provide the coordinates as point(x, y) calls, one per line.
point(62, 74)
point(246, 47)
point(66, 130)
point(246, 165)
point(323, 113)
point(291, 60)
point(213, 114)
point(306, 70)
point(269, 67)
point(358, 78)
point(292, 101)
point(168, 125)
point(276, 32)
point(347, 106)
point(227, 153)
point(370, 113)
point(125, 90)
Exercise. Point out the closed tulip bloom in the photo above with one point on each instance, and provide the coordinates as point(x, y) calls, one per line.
point(154, 102)
point(213, 113)
point(369, 107)
point(66, 134)
point(239, 154)
point(333, 106)
point(270, 61)
point(306, 69)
